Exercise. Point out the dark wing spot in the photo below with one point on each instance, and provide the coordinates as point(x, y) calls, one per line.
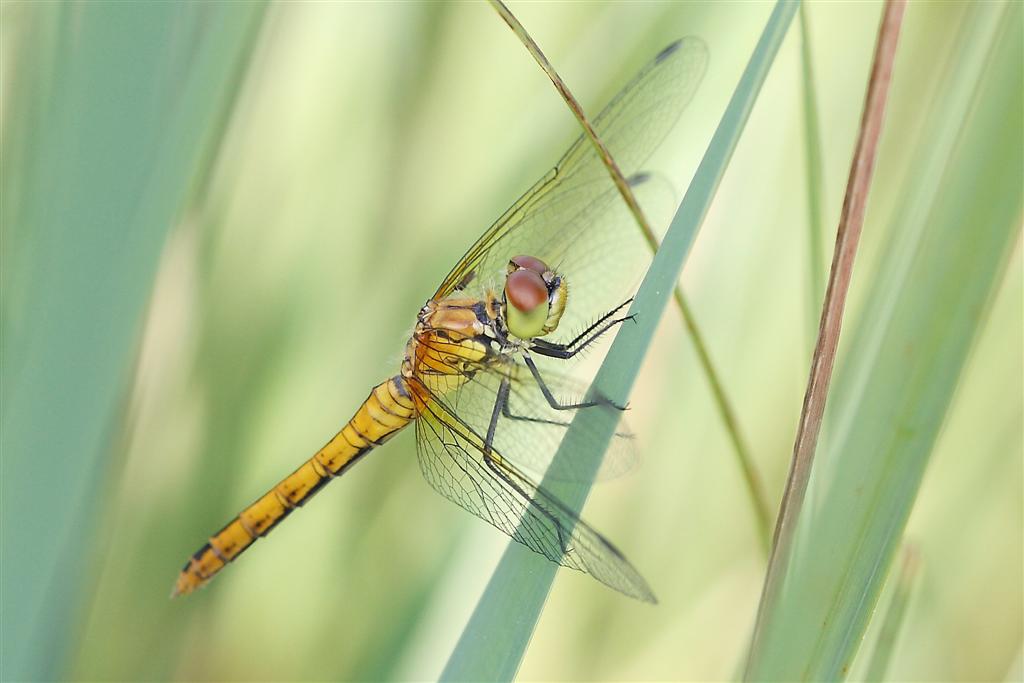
point(466, 279)
point(672, 47)
point(638, 179)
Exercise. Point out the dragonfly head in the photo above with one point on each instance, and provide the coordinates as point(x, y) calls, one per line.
point(534, 297)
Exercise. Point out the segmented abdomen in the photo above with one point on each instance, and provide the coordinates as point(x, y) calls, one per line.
point(387, 409)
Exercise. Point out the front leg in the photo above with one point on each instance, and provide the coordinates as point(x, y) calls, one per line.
point(586, 334)
point(584, 339)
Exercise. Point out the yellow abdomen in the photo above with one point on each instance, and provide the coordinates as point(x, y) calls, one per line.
point(445, 346)
point(387, 409)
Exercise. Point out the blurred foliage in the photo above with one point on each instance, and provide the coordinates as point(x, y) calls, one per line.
point(905, 354)
point(365, 146)
point(107, 120)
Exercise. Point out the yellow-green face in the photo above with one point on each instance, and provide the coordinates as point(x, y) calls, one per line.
point(534, 298)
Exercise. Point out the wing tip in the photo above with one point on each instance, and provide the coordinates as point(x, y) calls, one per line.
point(668, 50)
point(696, 56)
point(638, 589)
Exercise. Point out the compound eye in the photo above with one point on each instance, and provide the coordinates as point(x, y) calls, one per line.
point(529, 263)
point(525, 289)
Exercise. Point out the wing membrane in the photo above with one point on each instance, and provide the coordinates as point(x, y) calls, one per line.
point(530, 434)
point(452, 459)
point(573, 219)
point(552, 214)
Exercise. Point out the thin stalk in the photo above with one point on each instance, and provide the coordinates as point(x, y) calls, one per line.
point(851, 222)
point(759, 501)
point(894, 616)
point(814, 172)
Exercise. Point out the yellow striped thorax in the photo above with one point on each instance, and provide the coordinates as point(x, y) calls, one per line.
point(451, 338)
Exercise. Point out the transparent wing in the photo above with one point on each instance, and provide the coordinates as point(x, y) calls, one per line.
point(452, 459)
point(529, 432)
point(574, 213)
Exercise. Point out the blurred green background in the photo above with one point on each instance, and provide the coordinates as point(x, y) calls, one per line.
point(271, 192)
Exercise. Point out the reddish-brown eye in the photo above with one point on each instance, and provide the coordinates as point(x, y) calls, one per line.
point(525, 290)
point(530, 263)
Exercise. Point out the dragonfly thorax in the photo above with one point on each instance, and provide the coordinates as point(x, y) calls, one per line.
point(533, 299)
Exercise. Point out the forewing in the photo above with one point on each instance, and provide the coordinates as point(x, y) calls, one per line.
point(562, 208)
point(452, 459)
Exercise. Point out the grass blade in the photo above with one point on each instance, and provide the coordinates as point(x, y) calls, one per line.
point(908, 350)
point(755, 489)
point(493, 642)
point(814, 173)
point(894, 617)
point(108, 129)
point(848, 238)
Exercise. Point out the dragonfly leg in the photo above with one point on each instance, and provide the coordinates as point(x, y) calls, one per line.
point(507, 413)
point(500, 406)
point(597, 323)
point(498, 468)
point(589, 336)
point(552, 401)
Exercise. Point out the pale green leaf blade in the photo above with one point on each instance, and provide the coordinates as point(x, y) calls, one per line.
point(905, 356)
point(111, 125)
point(494, 640)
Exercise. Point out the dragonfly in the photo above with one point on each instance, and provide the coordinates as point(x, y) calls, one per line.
point(490, 375)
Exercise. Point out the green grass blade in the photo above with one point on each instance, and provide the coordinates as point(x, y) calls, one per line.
point(905, 358)
point(894, 617)
point(108, 130)
point(814, 173)
point(493, 642)
point(758, 500)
